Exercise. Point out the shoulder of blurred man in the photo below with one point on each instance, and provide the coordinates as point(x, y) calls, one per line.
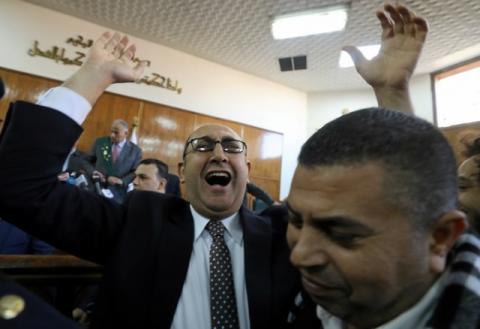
point(173, 185)
point(21, 309)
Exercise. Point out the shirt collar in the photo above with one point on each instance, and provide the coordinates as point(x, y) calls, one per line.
point(415, 317)
point(122, 143)
point(231, 223)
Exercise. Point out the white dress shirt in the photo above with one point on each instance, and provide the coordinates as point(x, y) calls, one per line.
point(193, 308)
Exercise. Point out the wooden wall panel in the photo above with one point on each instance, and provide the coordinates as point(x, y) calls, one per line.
point(21, 86)
point(265, 152)
point(271, 186)
point(201, 120)
point(162, 130)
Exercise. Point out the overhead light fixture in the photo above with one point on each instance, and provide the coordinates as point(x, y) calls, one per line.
point(368, 51)
point(324, 20)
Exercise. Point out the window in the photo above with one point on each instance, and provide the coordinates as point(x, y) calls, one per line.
point(457, 94)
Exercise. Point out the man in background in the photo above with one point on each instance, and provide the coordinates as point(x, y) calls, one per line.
point(151, 175)
point(113, 160)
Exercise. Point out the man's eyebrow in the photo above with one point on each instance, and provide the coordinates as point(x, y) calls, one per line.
point(343, 222)
point(335, 222)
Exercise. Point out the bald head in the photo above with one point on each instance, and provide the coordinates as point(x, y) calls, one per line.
point(119, 131)
point(215, 171)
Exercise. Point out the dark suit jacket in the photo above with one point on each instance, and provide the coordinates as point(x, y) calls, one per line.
point(145, 244)
point(36, 314)
point(14, 241)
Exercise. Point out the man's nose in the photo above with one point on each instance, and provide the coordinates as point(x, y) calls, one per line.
point(308, 252)
point(218, 153)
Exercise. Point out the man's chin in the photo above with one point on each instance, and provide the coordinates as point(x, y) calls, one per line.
point(220, 209)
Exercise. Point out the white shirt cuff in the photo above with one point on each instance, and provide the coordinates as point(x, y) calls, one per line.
point(66, 101)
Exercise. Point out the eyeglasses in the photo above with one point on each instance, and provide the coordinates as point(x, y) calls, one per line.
point(206, 144)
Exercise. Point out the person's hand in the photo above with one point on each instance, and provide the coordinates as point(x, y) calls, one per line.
point(112, 180)
point(80, 316)
point(98, 175)
point(403, 37)
point(63, 177)
point(110, 60)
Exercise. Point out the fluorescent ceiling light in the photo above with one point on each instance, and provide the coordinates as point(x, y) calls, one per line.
point(324, 20)
point(368, 51)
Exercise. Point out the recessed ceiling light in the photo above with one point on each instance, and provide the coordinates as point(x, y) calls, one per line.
point(324, 20)
point(368, 51)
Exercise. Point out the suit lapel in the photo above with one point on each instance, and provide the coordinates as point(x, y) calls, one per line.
point(121, 157)
point(5, 229)
point(258, 239)
point(175, 244)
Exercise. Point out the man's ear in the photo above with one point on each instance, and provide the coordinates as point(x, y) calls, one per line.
point(249, 166)
point(444, 234)
point(162, 185)
point(181, 172)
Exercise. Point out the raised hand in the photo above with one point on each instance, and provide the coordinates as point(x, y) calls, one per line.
point(403, 37)
point(110, 60)
point(111, 57)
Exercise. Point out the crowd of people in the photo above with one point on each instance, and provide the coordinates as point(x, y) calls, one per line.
point(370, 235)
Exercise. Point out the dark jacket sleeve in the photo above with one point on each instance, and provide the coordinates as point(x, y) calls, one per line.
point(258, 193)
point(34, 146)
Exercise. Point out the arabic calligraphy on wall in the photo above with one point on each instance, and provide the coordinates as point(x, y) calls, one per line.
point(58, 55)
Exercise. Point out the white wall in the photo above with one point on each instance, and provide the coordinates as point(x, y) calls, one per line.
point(326, 106)
point(208, 88)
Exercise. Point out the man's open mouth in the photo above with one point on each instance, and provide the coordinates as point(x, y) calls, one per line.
point(221, 178)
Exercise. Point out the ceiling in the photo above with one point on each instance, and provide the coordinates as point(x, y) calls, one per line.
point(236, 33)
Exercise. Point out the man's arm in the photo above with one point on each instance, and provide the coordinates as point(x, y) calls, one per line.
point(33, 150)
point(403, 37)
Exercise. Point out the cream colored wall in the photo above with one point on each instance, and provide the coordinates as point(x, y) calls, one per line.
point(208, 88)
point(326, 106)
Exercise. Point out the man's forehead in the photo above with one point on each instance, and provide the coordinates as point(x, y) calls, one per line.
point(143, 167)
point(216, 131)
point(118, 128)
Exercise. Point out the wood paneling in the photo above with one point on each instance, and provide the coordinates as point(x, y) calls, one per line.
point(162, 130)
point(21, 86)
point(264, 151)
point(271, 186)
point(202, 120)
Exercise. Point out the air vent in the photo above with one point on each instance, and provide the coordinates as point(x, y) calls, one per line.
point(293, 63)
point(285, 64)
point(300, 62)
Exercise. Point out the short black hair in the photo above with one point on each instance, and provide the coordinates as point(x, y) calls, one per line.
point(420, 167)
point(162, 167)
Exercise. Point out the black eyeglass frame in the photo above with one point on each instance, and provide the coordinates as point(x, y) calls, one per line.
point(214, 142)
